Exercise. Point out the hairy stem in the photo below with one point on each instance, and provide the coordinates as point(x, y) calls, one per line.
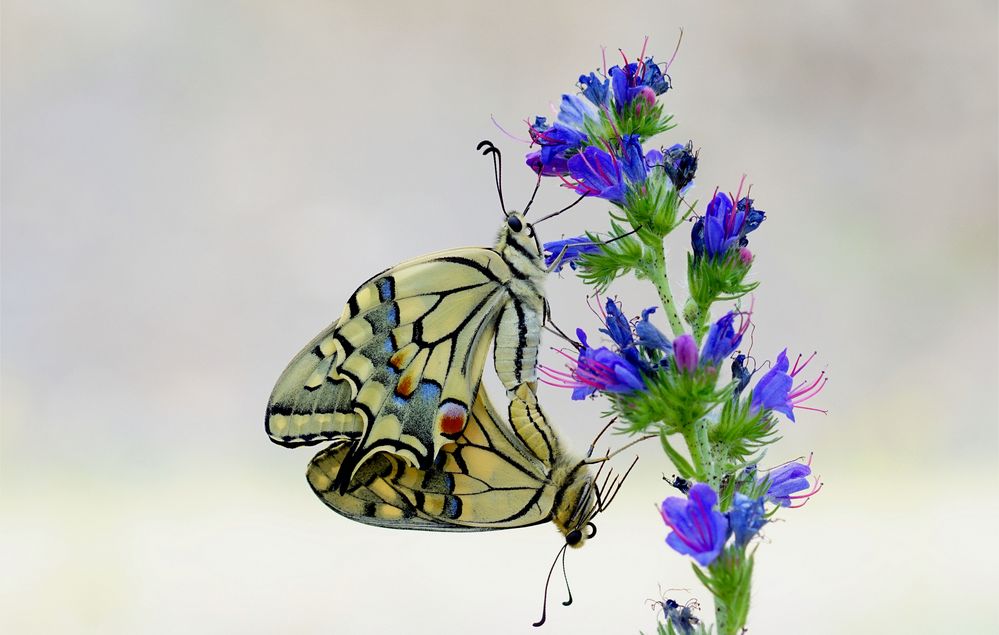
point(656, 270)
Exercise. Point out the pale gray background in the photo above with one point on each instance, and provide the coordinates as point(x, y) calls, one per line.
point(192, 189)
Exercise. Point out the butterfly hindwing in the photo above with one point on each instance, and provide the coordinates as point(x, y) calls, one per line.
point(485, 479)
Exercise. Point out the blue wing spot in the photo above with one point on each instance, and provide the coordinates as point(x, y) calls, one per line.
point(429, 392)
point(385, 290)
point(452, 506)
point(388, 346)
point(449, 481)
point(393, 316)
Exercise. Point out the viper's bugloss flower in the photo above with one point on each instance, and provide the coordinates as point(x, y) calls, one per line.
point(699, 530)
point(595, 369)
point(724, 226)
point(776, 389)
point(633, 160)
point(618, 326)
point(785, 481)
point(597, 173)
point(595, 89)
point(642, 81)
point(722, 339)
point(575, 111)
point(557, 142)
point(651, 337)
point(745, 517)
point(573, 248)
point(680, 163)
point(685, 353)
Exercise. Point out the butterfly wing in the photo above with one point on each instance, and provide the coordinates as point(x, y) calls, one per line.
point(398, 370)
point(485, 479)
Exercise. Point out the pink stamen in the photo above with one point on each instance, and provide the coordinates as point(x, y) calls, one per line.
point(797, 369)
point(813, 389)
point(503, 130)
point(675, 51)
point(641, 58)
point(603, 55)
point(805, 497)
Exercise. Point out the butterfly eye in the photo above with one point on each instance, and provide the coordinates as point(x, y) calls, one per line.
point(514, 223)
point(573, 537)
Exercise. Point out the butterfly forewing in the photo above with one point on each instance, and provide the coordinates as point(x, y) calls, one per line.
point(398, 370)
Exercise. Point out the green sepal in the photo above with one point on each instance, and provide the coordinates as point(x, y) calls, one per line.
point(652, 208)
point(672, 399)
point(645, 121)
point(617, 256)
point(713, 279)
point(739, 432)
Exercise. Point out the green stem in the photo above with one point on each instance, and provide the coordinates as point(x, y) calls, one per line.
point(700, 453)
point(656, 271)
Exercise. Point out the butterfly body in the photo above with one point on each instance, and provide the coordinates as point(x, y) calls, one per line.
point(398, 371)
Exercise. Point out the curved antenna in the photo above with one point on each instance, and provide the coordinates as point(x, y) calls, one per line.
point(488, 148)
point(565, 577)
point(544, 604)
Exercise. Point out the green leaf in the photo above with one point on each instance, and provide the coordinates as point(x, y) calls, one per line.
point(681, 464)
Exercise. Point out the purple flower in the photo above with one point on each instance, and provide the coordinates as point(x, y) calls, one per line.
point(595, 89)
point(787, 480)
point(574, 111)
point(699, 530)
point(618, 326)
point(649, 336)
point(722, 339)
point(573, 249)
point(597, 173)
point(685, 353)
point(746, 517)
point(723, 226)
point(637, 81)
point(557, 142)
point(776, 389)
point(633, 161)
point(595, 369)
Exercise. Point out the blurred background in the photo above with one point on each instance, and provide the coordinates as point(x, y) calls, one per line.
point(191, 190)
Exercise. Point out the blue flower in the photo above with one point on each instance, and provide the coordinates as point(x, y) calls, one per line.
point(776, 390)
point(573, 249)
point(595, 369)
point(618, 326)
point(595, 89)
point(699, 530)
point(557, 142)
point(680, 163)
point(685, 353)
point(771, 392)
point(649, 336)
point(723, 225)
point(637, 80)
point(597, 173)
point(633, 161)
point(721, 341)
point(574, 111)
point(786, 480)
point(746, 517)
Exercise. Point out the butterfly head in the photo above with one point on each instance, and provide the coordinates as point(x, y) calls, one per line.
point(518, 244)
point(576, 505)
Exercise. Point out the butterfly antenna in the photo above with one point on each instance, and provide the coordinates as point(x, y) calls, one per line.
point(489, 148)
point(565, 577)
point(544, 604)
point(537, 184)
point(564, 209)
point(624, 447)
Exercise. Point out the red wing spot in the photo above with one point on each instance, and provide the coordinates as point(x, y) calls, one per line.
point(396, 360)
point(453, 419)
point(406, 387)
